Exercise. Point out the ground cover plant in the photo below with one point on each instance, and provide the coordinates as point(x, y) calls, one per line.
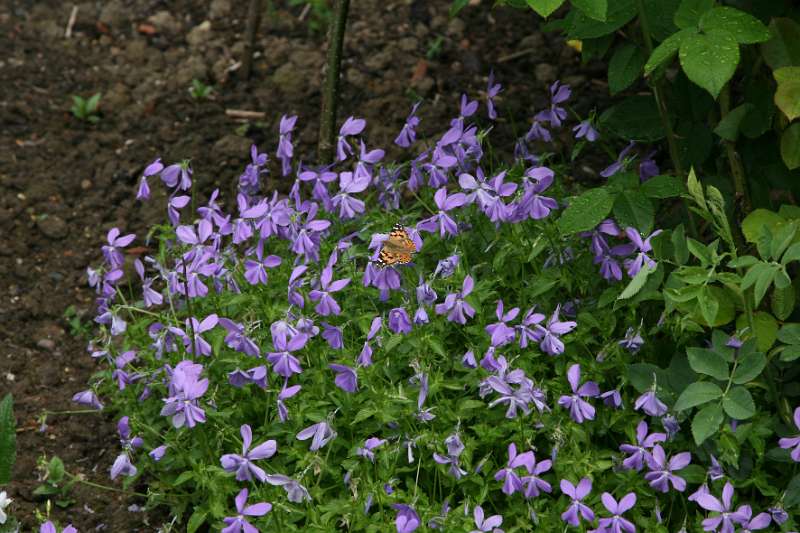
point(457, 340)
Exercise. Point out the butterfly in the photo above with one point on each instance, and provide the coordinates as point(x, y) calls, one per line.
point(397, 249)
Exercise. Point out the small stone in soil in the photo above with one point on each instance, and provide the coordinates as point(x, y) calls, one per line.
point(53, 227)
point(46, 344)
point(545, 73)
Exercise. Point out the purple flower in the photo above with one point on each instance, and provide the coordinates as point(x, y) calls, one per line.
point(349, 184)
point(533, 482)
point(490, 524)
point(499, 332)
point(175, 203)
point(407, 519)
point(642, 247)
point(456, 306)
point(579, 409)
point(88, 398)
point(238, 523)
point(321, 432)
point(49, 527)
point(640, 452)
point(177, 175)
point(327, 305)
point(295, 492)
point(255, 271)
point(198, 345)
point(726, 518)
point(285, 394)
point(586, 130)
point(511, 481)
point(399, 321)
point(237, 340)
point(619, 163)
point(661, 470)
point(283, 362)
point(369, 445)
point(533, 205)
point(285, 148)
point(793, 443)
point(555, 114)
point(650, 404)
point(492, 91)
point(113, 250)
point(779, 515)
point(612, 398)
point(760, 521)
point(424, 415)
point(446, 267)
point(333, 335)
point(633, 340)
point(441, 220)
point(186, 389)
point(243, 464)
point(648, 167)
point(351, 126)
point(346, 377)
point(454, 449)
point(408, 135)
point(577, 507)
point(158, 453)
point(551, 342)
point(305, 240)
point(671, 426)
point(616, 523)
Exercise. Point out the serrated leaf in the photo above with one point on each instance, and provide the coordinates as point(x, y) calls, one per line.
point(545, 8)
point(8, 439)
point(636, 283)
point(749, 368)
point(708, 362)
point(625, 67)
point(364, 414)
point(710, 59)
point(698, 393)
point(586, 211)
point(706, 422)
point(744, 27)
point(738, 403)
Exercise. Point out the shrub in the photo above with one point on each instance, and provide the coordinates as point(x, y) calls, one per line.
point(512, 352)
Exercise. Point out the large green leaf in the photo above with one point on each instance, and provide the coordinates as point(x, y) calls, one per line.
point(8, 439)
point(584, 27)
point(708, 362)
point(728, 127)
point(666, 50)
point(749, 368)
point(706, 422)
point(634, 209)
point(787, 98)
point(738, 403)
point(757, 219)
point(545, 8)
point(663, 186)
point(636, 118)
point(594, 9)
point(698, 393)
point(625, 67)
point(660, 17)
point(689, 12)
point(586, 211)
point(710, 59)
point(783, 49)
point(636, 283)
point(744, 27)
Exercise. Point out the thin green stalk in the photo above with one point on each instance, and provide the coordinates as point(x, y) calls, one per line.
point(737, 170)
point(79, 479)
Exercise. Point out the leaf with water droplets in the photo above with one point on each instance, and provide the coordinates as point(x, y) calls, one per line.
point(710, 59)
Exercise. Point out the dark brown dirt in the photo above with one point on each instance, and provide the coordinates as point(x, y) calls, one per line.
point(64, 183)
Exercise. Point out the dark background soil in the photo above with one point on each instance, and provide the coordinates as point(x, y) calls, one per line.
point(64, 183)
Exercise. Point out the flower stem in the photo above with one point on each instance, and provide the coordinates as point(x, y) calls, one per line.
point(79, 479)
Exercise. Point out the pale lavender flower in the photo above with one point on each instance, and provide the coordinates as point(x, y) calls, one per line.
point(175, 203)
point(586, 130)
point(408, 135)
point(551, 333)
point(726, 518)
point(352, 126)
point(239, 523)
point(793, 443)
point(446, 267)
point(579, 409)
point(616, 523)
point(370, 445)
point(492, 91)
point(671, 426)
point(327, 304)
point(198, 345)
point(640, 452)
point(88, 398)
point(648, 167)
point(533, 482)
point(237, 338)
point(612, 398)
point(661, 471)
point(285, 394)
point(753, 523)
point(284, 363)
point(295, 492)
point(511, 481)
point(555, 114)
point(455, 305)
point(321, 432)
point(185, 389)
point(255, 270)
point(332, 334)
point(445, 224)
point(490, 524)
point(619, 163)
point(346, 377)
point(349, 183)
point(399, 321)
point(285, 148)
point(778, 514)
point(158, 453)
point(633, 340)
point(243, 464)
point(641, 247)
point(454, 449)
point(650, 404)
point(113, 250)
point(577, 508)
point(407, 519)
point(499, 331)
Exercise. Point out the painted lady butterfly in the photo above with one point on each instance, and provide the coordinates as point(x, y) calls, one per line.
point(397, 249)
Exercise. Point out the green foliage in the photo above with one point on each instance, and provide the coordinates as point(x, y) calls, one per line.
point(86, 109)
point(200, 91)
point(8, 439)
point(56, 483)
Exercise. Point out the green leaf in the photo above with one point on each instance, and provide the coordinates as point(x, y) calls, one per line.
point(787, 98)
point(636, 283)
point(708, 362)
point(641, 375)
point(92, 103)
point(783, 49)
point(792, 496)
point(689, 12)
point(752, 223)
point(660, 16)
point(620, 12)
point(728, 127)
point(765, 329)
point(183, 478)
point(790, 146)
point(457, 6)
point(635, 118)
point(594, 9)
point(55, 470)
point(697, 249)
point(706, 422)
point(625, 67)
point(710, 59)
point(678, 238)
point(8, 439)
point(664, 186)
point(586, 211)
point(790, 353)
point(786, 74)
point(792, 254)
point(789, 333)
point(738, 403)
point(749, 368)
point(698, 393)
point(709, 306)
point(633, 209)
point(782, 237)
point(745, 28)
point(764, 280)
point(664, 52)
point(782, 302)
point(364, 414)
point(197, 519)
point(545, 8)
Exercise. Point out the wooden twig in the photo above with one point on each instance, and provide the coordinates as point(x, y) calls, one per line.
point(71, 21)
point(515, 55)
point(253, 21)
point(242, 113)
point(330, 93)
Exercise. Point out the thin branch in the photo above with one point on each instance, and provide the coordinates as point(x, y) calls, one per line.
point(330, 93)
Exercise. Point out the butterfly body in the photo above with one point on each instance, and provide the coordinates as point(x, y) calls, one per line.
point(397, 249)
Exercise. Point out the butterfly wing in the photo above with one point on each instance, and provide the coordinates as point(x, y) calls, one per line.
point(397, 249)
